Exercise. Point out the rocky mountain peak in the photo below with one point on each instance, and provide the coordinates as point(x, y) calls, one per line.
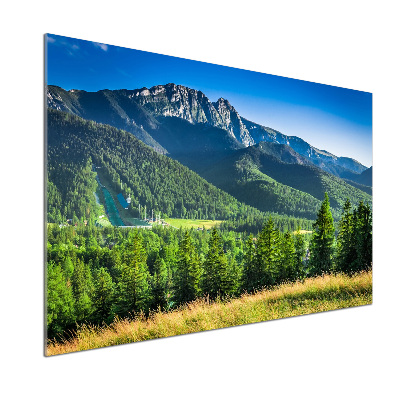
point(139, 109)
point(221, 102)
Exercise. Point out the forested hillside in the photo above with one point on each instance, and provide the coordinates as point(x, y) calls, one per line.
point(274, 177)
point(281, 174)
point(70, 187)
point(96, 274)
point(106, 107)
point(152, 179)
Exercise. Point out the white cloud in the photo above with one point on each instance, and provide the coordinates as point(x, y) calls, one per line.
point(101, 46)
point(70, 48)
point(124, 73)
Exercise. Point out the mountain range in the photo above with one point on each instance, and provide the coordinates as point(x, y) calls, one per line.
point(257, 165)
point(136, 111)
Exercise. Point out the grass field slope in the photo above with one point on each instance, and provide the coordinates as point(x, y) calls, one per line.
point(329, 292)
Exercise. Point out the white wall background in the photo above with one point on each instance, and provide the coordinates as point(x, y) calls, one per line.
point(349, 354)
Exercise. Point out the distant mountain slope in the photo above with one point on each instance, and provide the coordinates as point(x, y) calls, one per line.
point(274, 177)
point(361, 181)
point(107, 107)
point(364, 188)
point(321, 158)
point(143, 111)
point(194, 145)
point(152, 179)
point(365, 178)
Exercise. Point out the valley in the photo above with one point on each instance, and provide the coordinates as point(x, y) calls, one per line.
point(257, 165)
point(236, 219)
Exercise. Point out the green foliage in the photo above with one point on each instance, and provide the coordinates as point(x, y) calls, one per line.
point(70, 189)
point(60, 301)
point(82, 287)
point(274, 178)
point(68, 267)
point(160, 285)
point(300, 253)
point(152, 179)
point(188, 273)
point(133, 281)
point(103, 296)
point(95, 274)
point(249, 276)
point(346, 241)
point(322, 240)
point(234, 278)
point(254, 224)
point(331, 292)
point(288, 268)
point(268, 255)
point(354, 242)
point(363, 228)
point(216, 279)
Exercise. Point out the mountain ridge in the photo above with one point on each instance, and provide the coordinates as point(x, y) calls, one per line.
point(138, 111)
point(270, 176)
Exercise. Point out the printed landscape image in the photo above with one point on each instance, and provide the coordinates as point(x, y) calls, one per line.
point(184, 196)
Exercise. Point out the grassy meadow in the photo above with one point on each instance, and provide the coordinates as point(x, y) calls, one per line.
point(302, 232)
point(323, 293)
point(192, 223)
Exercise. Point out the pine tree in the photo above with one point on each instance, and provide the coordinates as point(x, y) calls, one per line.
point(82, 286)
point(300, 252)
point(288, 262)
point(103, 297)
point(234, 277)
point(321, 258)
point(59, 301)
point(346, 252)
point(267, 256)
point(133, 285)
point(249, 276)
point(216, 281)
point(363, 233)
point(159, 285)
point(186, 280)
point(68, 267)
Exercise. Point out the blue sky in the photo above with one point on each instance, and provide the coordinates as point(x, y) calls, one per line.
point(330, 118)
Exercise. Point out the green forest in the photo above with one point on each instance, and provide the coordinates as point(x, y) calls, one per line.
point(129, 166)
point(96, 274)
point(268, 179)
point(280, 222)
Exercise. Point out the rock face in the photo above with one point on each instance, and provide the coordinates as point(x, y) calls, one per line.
point(176, 101)
point(192, 105)
point(138, 111)
point(232, 122)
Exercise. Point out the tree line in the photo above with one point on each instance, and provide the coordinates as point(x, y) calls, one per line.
point(128, 166)
point(95, 274)
point(351, 251)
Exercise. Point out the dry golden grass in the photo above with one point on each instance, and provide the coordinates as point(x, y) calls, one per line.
point(192, 223)
point(329, 292)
